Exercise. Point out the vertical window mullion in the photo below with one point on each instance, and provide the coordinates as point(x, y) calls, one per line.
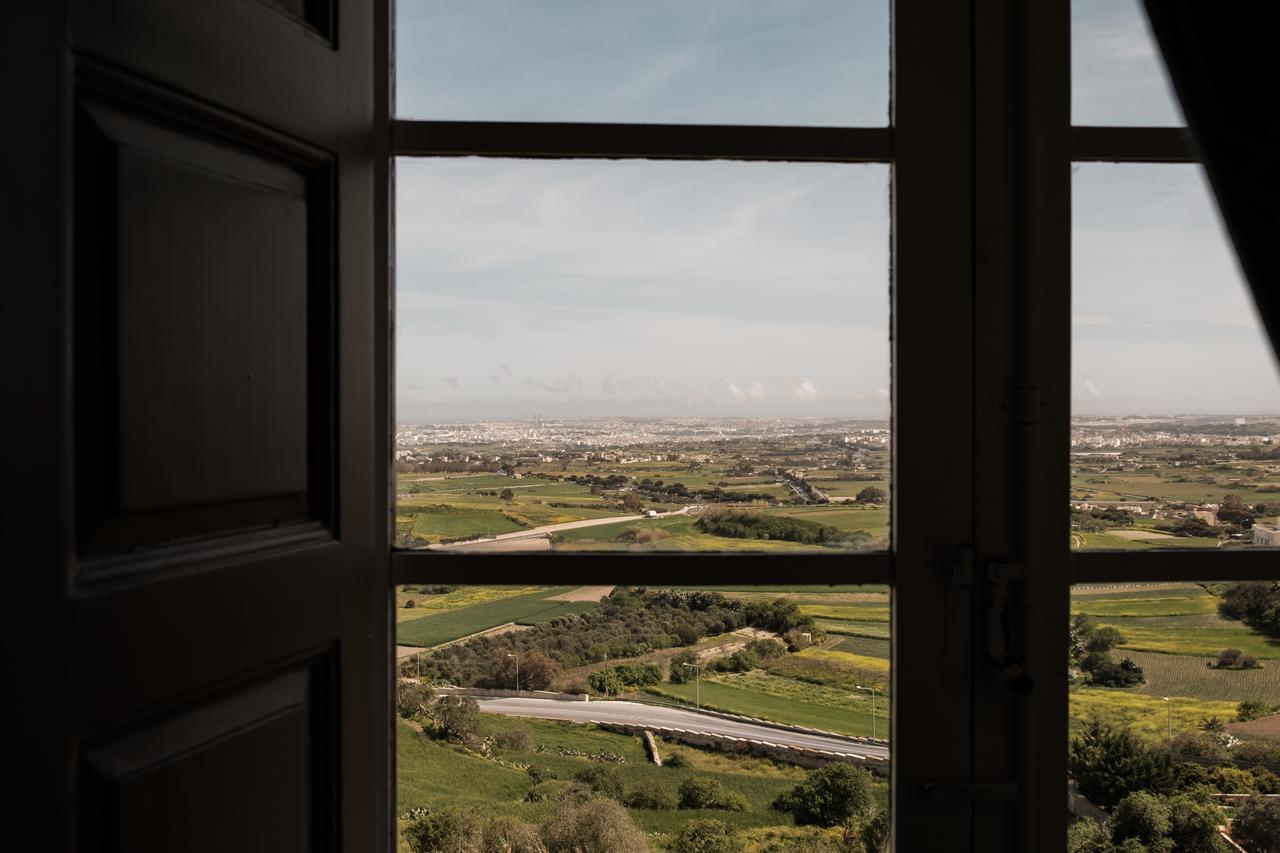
point(933, 405)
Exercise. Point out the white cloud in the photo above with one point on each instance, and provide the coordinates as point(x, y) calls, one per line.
point(804, 389)
point(755, 391)
point(1092, 388)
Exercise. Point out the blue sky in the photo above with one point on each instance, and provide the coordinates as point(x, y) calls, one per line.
point(582, 288)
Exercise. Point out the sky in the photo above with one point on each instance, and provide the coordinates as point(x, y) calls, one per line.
point(627, 288)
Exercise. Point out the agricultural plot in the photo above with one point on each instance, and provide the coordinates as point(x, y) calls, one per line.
point(440, 521)
point(873, 521)
point(442, 627)
point(860, 612)
point(1187, 675)
point(779, 699)
point(425, 604)
point(1201, 636)
point(840, 669)
point(677, 533)
point(852, 628)
point(1155, 601)
point(864, 646)
point(1109, 541)
point(1148, 716)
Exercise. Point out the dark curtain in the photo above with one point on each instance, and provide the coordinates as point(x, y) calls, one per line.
point(1224, 61)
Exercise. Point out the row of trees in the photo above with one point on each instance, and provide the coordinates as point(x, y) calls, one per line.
point(747, 524)
point(1089, 648)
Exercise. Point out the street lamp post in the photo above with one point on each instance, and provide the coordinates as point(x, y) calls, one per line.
point(872, 690)
point(517, 657)
point(1168, 705)
point(697, 684)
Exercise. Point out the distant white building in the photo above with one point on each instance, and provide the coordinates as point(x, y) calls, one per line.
point(1267, 535)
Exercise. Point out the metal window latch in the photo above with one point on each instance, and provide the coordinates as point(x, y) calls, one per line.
point(970, 791)
point(1002, 637)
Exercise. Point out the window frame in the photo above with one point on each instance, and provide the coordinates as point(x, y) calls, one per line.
point(980, 146)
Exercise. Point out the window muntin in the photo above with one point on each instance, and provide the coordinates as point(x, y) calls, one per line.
point(816, 62)
point(1117, 74)
point(575, 337)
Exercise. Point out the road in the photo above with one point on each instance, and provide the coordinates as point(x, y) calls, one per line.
point(538, 532)
point(637, 713)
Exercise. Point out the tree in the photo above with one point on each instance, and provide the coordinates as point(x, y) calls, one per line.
point(537, 670)
point(871, 495)
point(1144, 816)
point(830, 796)
point(1109, 764)
point(1194, 527)
point(705, 836)
point(874, 834)
point(594, 824)
point(507, 495)
point(1194, 825)
point(1104, 639)
point(680, 668)
point(632, 502)
point(1088, 836)
point(1235, 510)
point(446, 831)
point(1257, 825)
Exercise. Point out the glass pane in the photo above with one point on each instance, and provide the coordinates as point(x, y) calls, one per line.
point(1175, 439)
point(1175, 714)
point(618, 356)
point(1117, 73)
point(808, 62)
point(523, 713)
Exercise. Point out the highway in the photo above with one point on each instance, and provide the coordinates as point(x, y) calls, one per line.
point(636, 713)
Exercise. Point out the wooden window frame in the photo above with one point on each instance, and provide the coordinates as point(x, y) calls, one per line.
point(980, 146)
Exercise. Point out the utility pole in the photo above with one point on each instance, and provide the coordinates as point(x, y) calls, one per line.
point(517, 657)
point(873, 708)
point(697, 684)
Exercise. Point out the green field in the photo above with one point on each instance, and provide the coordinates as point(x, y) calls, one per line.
point(855, 612)
point(530, 609)
point(1203, 636)
point(854, 628)
point(866, 646)
point(1156, 601)
point(782, 703)
point(1185, 675)
point(432, 774)
point(1146, 715)
point(679, 534)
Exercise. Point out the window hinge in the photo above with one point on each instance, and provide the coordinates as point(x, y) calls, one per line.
point(969, 791)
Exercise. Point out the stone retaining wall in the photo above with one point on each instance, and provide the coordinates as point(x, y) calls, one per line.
point(797, 755)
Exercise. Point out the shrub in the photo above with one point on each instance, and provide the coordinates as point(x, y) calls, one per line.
point(625, 675)
point(1257, 825)
point(409, 605)
point(539, 773)
point(512, 835)
point(604, 781)
point(1231, 780)
point(1256, 752)
point(455, 717)
point(517, 738)
point(829, 796)
point(874, 834)
point(592, 825)
point(676, 759)
point(1109, 764)
point(446, 831)
point(548, 789)
point(766, 649)
point(1252, 710)
point(677, 670)
point(1235, 659)
point(1087, 836)
point(1109, 674)
point(698, 792)
point(411, 699)
point(705, 836)
point(1264, 781)
point(1200, 744)
point(651, 796)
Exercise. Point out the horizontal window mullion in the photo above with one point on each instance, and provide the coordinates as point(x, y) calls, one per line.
point(1189, 565)
point(1133, 145)
point(641, 141)
point(640, 569)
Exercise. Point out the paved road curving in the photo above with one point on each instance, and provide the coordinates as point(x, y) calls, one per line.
point(637, 713)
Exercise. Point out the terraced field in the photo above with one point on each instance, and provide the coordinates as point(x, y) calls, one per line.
point(755, 694)
point(1149, 716)
point(1157, 600)
point(865, 646)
